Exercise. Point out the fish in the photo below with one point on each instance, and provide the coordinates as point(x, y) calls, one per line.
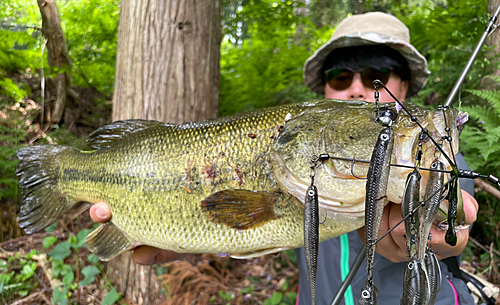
point(311, 237)
point(410, 203)
point(433, 191)
point(376, 189)
point(230, 185)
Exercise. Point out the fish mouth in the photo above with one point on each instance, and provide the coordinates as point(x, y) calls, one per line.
point(332, 204)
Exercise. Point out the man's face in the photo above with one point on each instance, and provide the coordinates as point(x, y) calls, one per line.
point(357, 91)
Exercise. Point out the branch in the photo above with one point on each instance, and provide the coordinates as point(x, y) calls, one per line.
point(486, 187)
point(486, 249)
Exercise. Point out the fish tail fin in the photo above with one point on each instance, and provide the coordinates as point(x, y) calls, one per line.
point(42, 200)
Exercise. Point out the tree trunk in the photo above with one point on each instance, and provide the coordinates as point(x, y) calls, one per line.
point(57, 57)
point(494, 39)
point(359, 6)
point(168, 60)
point(167, 70)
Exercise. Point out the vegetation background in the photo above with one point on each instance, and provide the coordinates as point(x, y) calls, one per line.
point(264, 46)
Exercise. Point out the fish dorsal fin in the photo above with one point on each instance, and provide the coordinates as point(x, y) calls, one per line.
point(105, 136)
point(241, 209)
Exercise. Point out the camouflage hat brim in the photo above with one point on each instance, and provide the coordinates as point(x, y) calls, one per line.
point(416, 61)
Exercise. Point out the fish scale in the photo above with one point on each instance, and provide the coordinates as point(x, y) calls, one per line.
point(229, 185)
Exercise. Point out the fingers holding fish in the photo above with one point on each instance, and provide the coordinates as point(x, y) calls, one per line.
point(444, 250)
point(147, 255)
point(393, 246)
point(471, 208)
point(438, 243)
point(100, 212)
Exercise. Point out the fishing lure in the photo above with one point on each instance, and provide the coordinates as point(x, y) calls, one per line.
point(311, 236)
point(433, 275)
point(411, 203)
point(415, 283)
point(451, 235)
point(432, 198)
point(376, 188)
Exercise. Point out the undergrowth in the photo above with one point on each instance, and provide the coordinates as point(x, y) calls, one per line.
point(58, 266)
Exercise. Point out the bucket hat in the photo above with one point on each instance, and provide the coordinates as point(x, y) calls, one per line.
point(375, 28)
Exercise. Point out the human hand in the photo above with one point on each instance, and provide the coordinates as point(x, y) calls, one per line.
point(144, 255)
point(393, 246)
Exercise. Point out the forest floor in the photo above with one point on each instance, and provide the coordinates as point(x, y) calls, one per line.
point(210, 280)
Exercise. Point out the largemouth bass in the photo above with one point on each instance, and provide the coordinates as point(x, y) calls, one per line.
point(231, 185)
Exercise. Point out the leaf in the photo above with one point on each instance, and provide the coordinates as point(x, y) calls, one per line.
point(69, 277)
point(61, 251)
point(80, 238)
point(49, 241)
point(276, 298)
point(23, 293)
point(90, 272)
point(111, 297)
point(59, 296)
point(29, 270)
point(52, 227)
point(93, 259)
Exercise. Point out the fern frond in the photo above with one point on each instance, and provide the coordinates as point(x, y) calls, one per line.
point(492, 96)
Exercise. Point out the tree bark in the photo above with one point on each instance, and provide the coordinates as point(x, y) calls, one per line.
point(167, 70)
point(57, 57)
point(359, 6)
point(168, 60)
point(494, 39)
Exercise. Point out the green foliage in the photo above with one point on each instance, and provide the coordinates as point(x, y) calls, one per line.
point(90, 28)
point(91, 270)
point(111, 297)
point(15, 117)
point(265, 69)
point(278, 298)
point(481, 139)
point(446, 36)
point(91, 31)
point(17, 276)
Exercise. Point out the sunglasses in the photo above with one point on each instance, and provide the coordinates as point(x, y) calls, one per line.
point(341, 78)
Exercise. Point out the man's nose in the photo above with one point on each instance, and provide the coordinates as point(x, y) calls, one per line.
point(357, 90)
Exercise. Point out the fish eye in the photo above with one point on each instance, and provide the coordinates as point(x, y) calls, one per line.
point(410, 266)
point(384, 137)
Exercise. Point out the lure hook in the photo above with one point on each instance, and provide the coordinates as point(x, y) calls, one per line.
point(352, 169)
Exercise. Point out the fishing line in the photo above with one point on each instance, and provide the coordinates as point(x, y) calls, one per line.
point(395, 165)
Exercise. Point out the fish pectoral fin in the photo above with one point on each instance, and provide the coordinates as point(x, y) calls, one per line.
point(257, 253)
point(108, 241)
point(241, 209)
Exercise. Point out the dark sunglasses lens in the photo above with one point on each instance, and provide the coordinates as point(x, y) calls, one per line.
point(370, 74)
point(340, 79)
